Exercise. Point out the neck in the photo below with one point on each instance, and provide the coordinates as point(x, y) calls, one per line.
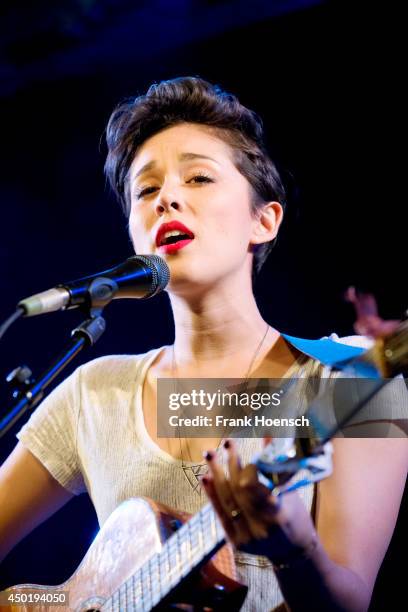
point(217, 325)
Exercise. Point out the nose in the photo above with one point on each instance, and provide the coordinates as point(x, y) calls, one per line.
point(168, 198)
point(162, 207)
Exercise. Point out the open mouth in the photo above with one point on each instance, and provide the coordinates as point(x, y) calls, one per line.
point(171, 244)
point(173, 236)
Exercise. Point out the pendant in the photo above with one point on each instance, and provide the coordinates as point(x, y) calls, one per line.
point(193, 474)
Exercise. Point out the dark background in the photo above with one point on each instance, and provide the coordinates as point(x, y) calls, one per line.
point(327, 79)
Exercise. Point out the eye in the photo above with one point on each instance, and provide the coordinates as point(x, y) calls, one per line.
point(197, 178)
point(140, 193)
point(201, 178)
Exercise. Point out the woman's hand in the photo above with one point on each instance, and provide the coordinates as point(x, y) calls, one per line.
point(254, 520)
point(368, 321)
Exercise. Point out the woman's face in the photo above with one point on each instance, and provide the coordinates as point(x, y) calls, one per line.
point(184, 176)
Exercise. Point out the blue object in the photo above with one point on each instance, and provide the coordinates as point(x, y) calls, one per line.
point(327, 351)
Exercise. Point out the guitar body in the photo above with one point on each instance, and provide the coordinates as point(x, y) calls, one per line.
point(133, 534)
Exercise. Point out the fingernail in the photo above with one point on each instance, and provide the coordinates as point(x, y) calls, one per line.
point(227, 444)
point(208, 455)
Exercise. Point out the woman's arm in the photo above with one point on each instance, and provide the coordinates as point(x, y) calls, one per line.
point(360, 501)
point(335, 568)
point(28, 496)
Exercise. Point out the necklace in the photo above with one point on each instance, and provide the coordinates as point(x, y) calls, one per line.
point(194, 472)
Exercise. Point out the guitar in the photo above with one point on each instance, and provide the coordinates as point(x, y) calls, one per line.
point(173, 564)
point(160, 567)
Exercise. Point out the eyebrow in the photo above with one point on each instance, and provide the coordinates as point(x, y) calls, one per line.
point(182, 157)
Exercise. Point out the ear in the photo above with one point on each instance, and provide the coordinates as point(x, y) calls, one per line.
point(266, 223)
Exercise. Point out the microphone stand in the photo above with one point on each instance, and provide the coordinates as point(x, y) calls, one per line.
point(30, 392)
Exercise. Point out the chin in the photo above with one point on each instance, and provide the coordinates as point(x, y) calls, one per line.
point(193, 285)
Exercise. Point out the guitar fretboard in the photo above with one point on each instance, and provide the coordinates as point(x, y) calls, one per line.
point(191, 546)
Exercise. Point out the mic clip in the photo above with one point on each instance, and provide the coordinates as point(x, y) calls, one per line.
point(99, 294)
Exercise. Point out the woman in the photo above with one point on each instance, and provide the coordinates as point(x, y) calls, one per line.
point(189, 165)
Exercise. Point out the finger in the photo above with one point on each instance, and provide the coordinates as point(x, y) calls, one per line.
point(252, 529)
point(259, 506)
point(225, 496)
point(256, 497)
point(237, 533)
point(221, 485)
point(234, 463)
point(211, 493)
point(248, 494)
point(251, 496)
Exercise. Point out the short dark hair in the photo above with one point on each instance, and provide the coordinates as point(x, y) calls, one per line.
point(193, 100)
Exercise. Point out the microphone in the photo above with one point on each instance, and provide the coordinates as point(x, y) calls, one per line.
point(140, 276)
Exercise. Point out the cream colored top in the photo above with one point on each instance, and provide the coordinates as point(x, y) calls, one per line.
point(90, 434)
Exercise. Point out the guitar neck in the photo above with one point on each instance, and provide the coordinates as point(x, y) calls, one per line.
point(191, 546)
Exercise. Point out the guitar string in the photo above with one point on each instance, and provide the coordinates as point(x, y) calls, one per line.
point(199, 525)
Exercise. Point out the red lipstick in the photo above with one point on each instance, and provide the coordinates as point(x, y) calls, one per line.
point(171, 244)
point(176, 246)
